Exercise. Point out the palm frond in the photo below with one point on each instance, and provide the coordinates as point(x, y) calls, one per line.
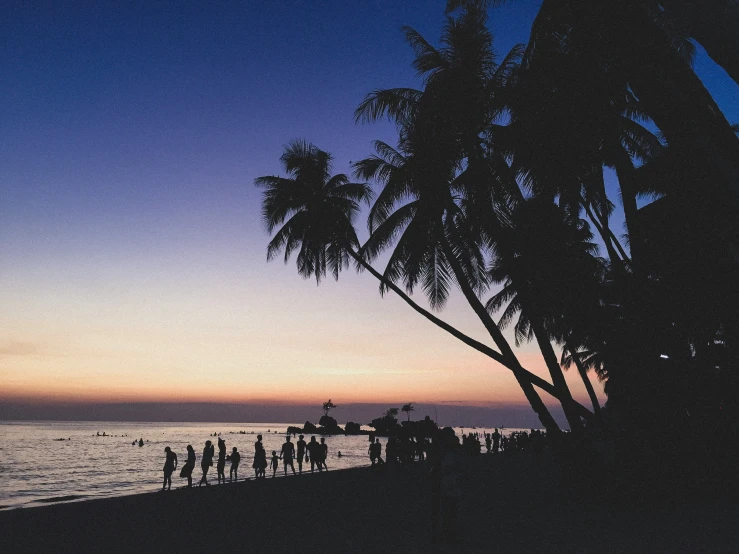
point(398, 188)
point(508, 66)
point(428, 59)
point(396, 104)
point(436, 279)
point(454, 5)
point(358, 192)
point(282, 198)
point(385, 234)
point(287, 237)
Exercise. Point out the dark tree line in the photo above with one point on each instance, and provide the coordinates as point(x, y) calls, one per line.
point(496, 187)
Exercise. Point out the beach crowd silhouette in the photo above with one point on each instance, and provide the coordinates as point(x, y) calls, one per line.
point(442, 451)
point(312, 452)
point(400, 449)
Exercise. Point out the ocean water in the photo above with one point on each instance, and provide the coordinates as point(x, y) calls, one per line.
point(37, 468)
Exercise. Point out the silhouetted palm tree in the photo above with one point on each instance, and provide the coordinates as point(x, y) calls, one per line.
point(629, 42)
point(314, 210)
point(470, 198)
point(408, 408)
point(328, 406)
point(543, 262)
point(420, 211)
point(570, 354)
point(712, 23)
point(316, 220)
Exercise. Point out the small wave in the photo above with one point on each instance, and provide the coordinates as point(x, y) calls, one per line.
point(61, 498)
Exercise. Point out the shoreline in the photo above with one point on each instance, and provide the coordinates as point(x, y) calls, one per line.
point(156, 489)
point(510, 504)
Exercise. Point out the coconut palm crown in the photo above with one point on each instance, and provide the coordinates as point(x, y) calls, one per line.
point(312, 211)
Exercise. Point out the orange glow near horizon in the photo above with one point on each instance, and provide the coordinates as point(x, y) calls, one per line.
point(257, 336)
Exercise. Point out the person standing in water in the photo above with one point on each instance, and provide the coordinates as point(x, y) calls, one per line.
point(170, 464)
point(301, 453)
point(206, 462)
point(314, 453)
point(323, 454)
point(189, 466)
point(235, 459)
point(288, 451)
point(220, 468)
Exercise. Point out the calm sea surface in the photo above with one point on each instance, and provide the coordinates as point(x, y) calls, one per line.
point(36, 468)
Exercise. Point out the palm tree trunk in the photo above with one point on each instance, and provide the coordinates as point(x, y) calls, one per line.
point(621, 252)
point(602, 213)
point(519, 372)
point(683, 109)
point(550, 358)
point(625, 172)
point(605, 235)
point(714, 24)
point(555, 370)
point(512, 361)
point(585, 379)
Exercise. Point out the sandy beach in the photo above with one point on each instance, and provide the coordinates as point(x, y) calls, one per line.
point(511, 504)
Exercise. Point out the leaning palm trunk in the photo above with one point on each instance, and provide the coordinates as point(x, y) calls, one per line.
point(525, 378)
point(558, 378)
point(585, 379)
point(625, 173)
point(602, 211)
point(685, 112)
point(511, 360)
point(712, 23)
point(480, 347)
point(606, 236)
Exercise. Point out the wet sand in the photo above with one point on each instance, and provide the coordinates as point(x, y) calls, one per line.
point(510, 505)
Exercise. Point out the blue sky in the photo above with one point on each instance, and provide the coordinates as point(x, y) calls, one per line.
point(131, 244)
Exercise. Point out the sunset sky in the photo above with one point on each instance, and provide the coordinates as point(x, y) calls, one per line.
point(132, 254)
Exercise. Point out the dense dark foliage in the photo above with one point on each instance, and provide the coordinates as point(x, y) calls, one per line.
point(496, 186)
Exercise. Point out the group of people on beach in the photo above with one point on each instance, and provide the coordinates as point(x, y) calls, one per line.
point(495, 442)
point(313, 452)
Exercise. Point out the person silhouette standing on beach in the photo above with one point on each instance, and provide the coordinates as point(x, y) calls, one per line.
point(235, 459)
point(288, 451)
point(170, 464)
point(496, 441)
point(323, 454)
point(220, 468)
point(372, 453)
point(377, 447)
point(301, 453)
point(260, 458)
point(314, 450)
point(186, 470)
point(206, 462)
point(275, 463)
